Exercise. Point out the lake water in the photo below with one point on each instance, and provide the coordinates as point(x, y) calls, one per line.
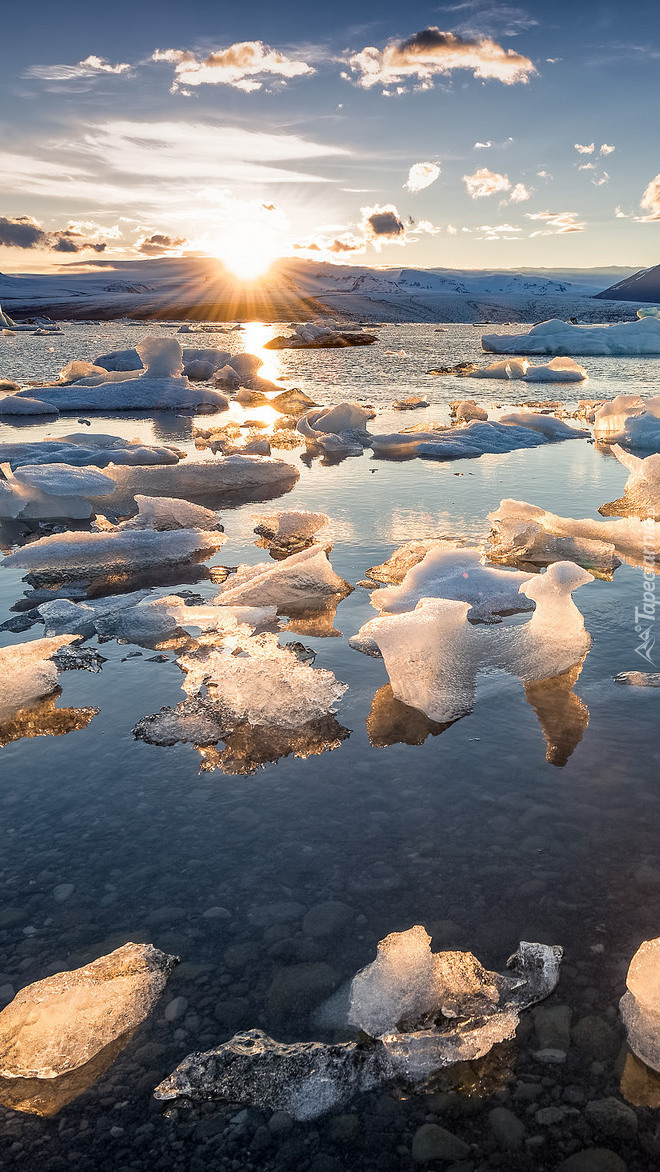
point(472, 833)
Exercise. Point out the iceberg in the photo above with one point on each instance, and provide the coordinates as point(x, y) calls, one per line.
point(421, 1012)
point(448, 570)
point(465, 410)
point(66, 556)
point(319, 335)
point(28, 673)
point(640, 1005)
point(433, 654)
point(65, 1022)
point(167, 513)
point(339, 430)
point(289, 528)
point(476, 438)
point(162, 387)
point(610, 418)
point(526, 534)
point(638, 337)
point(83, 448)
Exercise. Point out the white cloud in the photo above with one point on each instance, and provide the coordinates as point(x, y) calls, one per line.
point(519, 194)
point(620, 214)
point(585, 150)
point(430, 53)
point(485, 182)
point(91, 67)
point(246, 66)
point(600, 180)
point(482, 146)
point(587, 167)
point(556, 223)
point(421, 175)
point(650, 200)
point(544, 174)
point(606, 149)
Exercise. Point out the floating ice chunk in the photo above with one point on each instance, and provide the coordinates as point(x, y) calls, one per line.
point(526, 533)
point(648, 311)
point(433, 655)
point(162, 386)
point(60, 1024)
point(412, 403)
point(289, 526)
point(464, 410)
point(511, 368)
point(51, 490)
point(394, 570)
point(28, 673)
point(211, 481)
point(25, 405)
point(611, 418)
point(339, 429)
point(79, 618)
point(641, 429)
point(82, 449)
point(640, 1006)
point(548, 425)
point(8, 323)
point(641, 495)
point(450, 571)
point(166, 512)
point(402, 995)
point(319, 334)
point(639, 679)
point(561, 338)
point(294, 402)
point(559, 370)
point(66, 556)
point(303, 581)
point(475, 438)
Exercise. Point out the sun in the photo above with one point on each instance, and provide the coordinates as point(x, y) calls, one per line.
point(248, 251)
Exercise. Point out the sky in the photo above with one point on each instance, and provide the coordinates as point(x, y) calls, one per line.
point(464, 135)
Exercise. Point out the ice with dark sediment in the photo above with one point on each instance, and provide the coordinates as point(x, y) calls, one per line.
point(422, 1012)
point(87, 448)
point(477, 438)
point(449, 570)
point(67, 556)
point(319, 335)
point(524, 533)
point(433, 654)
point(51, 491)
point(60, 1034)
point(640, 1005)
point(162, 387)
point(557, 337)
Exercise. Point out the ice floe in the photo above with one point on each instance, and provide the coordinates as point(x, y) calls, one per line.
point(210, 481)
point(433, 654)
point(74, 1024)
point(422, 1012)
point(640, 1006)
point(304, 581)
point(28, 673)
point(162, 387)
point(289, 528)
point(51, 491)
point(561, 338)
point(69, 556)
point(83, 448)
point(641, 495)
point(476, 438)
point(166, 512)
point(559, 370)
point(526, 534)
point(465, 410)
point(319, 335)
point(451, 571)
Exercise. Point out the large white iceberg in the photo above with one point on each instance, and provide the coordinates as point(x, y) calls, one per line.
point(561, 338)
point(433, 654)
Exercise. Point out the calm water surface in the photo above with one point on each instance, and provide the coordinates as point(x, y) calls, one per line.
point(473, 833)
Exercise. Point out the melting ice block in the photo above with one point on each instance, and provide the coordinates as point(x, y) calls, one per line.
point(68, 556)
point(290, 526)
point(51, 490)
point(450, 571)
point(560, 338)
point(161, 387)
point(640, 1006)
point(476, 438)
point(559, 370)
point(338, 430)
point(306, 580)
point(27, 673)
point(58, 1024)
point(464, 410)
point(524, 533)
point(83, 448)
point(641, 496)
point(252, 477)
point(433, 655)
point(166, 512)
point(423, 1011)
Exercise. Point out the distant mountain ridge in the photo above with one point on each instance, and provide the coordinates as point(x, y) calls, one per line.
point(643, 285)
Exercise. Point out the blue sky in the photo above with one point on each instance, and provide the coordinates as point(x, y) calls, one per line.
point(151, 129)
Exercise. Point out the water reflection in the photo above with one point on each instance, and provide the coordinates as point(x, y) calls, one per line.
point(563, 716)
point(47, 1096)
point(391, 722)
point(45, 720)
point(249, 747)
point(640, 1085)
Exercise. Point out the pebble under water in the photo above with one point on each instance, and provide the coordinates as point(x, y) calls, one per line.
point(274, 887)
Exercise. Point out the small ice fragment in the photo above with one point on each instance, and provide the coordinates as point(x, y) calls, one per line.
point(640, 1006)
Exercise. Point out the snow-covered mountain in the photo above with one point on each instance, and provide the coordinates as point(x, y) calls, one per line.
point(641, 286)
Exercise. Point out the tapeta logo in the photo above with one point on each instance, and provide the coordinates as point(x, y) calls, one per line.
point(645, 616)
